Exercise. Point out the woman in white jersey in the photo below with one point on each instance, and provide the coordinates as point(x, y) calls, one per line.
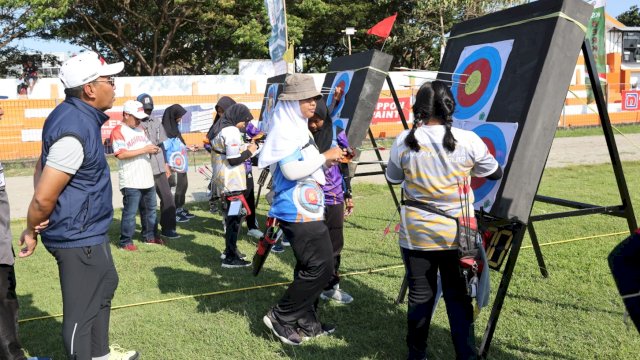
point(298, 204)
point(434, 163)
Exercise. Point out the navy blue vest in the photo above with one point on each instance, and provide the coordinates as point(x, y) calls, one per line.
point(84, 210)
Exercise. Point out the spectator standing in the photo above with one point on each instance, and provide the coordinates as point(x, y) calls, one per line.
point(132, 148)
point(10, 348)
point(161, 171)
point(73, 191)
point(30, 71)
point(170, 120)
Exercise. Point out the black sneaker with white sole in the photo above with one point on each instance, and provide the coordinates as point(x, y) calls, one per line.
point(315, 331)
point(181, 218)
point(286, 333)
point(238, 254)
point(235, 262)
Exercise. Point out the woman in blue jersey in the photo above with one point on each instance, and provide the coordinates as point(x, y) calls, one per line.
point(297, 169)
point(434, 163)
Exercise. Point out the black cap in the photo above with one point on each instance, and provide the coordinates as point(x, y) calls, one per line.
point(146, 100)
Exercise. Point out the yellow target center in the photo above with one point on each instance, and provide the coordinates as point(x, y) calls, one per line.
point(473, 82)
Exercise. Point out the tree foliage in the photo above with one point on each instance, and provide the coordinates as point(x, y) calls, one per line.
point(415, 41)
point(156, 37)
point(630, 17)
point(164, 36)
point(18, 20)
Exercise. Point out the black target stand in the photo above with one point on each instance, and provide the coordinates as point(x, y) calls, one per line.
point(518, 228)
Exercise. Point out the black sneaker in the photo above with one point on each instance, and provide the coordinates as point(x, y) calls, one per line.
point(235, 262)
point(286, 333)
point(277, 248)
point(238, 254)
point(317, 330)
point(181, 218)
point(187, 214)
point(170, 234)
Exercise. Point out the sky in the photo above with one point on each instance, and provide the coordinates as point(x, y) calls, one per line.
point(612, 7)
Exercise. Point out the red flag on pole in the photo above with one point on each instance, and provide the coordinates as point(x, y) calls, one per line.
point(383, 28)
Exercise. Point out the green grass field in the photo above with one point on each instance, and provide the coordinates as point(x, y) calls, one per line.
point(597, 130)
point(176, 302)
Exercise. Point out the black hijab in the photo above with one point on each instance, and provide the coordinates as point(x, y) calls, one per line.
point(223, 104)
point(324, 136)
point(169, 122)
point(234, 115)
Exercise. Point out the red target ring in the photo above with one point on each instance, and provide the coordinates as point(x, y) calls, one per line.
point(477, 76)
point(477, 182)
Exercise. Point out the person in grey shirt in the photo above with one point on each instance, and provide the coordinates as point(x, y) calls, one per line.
point(161, 172)
point(10, 347)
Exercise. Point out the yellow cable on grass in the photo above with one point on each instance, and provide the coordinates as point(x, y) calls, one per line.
point(257, 287)
point(578, 239)
point(221, 292)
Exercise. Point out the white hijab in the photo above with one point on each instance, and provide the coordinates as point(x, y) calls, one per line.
point(288, 132)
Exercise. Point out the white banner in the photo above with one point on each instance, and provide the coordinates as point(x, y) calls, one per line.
point(278, 38)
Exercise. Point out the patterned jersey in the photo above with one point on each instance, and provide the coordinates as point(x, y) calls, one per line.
point(436, 177)
point(228, 145)
point(135, 172)
point(296, 201)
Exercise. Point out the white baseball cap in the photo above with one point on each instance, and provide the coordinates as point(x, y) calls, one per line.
point(86, 67)
point(134, 108)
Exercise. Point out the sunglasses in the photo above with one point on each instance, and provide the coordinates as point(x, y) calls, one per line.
point(110, 81)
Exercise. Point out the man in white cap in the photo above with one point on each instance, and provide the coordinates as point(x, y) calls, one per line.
point(73, 191)
point(132, 148)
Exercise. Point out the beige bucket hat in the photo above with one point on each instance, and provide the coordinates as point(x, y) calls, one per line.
point(299, 87)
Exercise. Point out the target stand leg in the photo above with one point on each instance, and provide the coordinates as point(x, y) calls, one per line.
point(536, 248)
point(403, 290)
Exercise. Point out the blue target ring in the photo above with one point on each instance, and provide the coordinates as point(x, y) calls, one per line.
point(489, 83)
point(492, 136)
point(342, 79)
point(271, 100)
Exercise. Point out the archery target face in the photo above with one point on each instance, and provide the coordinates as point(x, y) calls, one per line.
point(308, 199)
point(269, 105)
point(342, 81)
point(499, 138)
point(178, 161)
point(477, 77)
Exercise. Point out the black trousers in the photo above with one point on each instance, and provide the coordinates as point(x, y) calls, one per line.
point(251, 201)
point(182, 183)
point(167, 203)
point(232, 224)
point(334, 218)
point(422, 270)
point(10, 347)
point(314, 265)
point(88, 280)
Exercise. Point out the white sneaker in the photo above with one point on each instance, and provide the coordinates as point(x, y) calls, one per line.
point(118, 353)
point(336, 295)
point(255, 233)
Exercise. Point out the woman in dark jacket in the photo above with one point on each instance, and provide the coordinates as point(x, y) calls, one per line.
point(170, 120)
